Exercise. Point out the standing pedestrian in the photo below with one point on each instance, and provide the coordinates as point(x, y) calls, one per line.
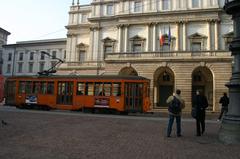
point(176, 104)
point(224, 100)
point(200, 103)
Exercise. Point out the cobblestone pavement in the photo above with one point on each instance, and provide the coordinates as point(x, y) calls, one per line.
point(74, 135)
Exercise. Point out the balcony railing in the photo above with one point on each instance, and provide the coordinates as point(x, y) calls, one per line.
point(166, 55)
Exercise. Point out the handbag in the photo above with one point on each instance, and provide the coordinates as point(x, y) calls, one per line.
point(194, 112)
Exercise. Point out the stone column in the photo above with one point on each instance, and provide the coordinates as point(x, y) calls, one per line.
point(154, 37)
point(126, 38)
point(69, 48)
point(184, 36)
point(91, 45)
point(230, 129)
point(120, 38)
point(178, 36)
point(155, 96)
point(148, 38)
point(216, 32)
point(209, 35)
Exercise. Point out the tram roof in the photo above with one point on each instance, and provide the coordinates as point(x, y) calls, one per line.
point(85, 77)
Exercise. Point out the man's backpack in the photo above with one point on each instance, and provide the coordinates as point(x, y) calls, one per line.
point(175, 106)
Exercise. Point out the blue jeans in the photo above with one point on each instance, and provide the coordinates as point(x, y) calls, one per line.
point(170, 124)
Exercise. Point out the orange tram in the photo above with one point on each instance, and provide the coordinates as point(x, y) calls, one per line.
point(74, 92)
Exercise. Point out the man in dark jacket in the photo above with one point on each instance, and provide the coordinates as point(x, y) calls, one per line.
point(175, 101)
point(200, 103)
point(224, 101)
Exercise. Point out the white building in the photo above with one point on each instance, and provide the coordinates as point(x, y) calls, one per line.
point(3, 40)
point(26, 57)
point(123, 37)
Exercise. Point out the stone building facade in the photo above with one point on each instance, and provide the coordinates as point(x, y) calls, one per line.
point(176, 43)
point(26, 57)
point(3, 41)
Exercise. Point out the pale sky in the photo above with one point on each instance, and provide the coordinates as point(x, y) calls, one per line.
point(35, 19)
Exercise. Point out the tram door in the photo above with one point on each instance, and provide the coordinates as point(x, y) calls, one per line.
point(65, 93)
point(134, 97)
point(10, 92)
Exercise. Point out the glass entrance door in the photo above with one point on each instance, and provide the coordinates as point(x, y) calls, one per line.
point(134, 97)
point(65, 93)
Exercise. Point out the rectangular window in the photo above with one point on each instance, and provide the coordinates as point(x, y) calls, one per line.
point(28, 87)
point(195, 3)
point(9, 57)
point(43, 88)
point(30, 67)
point(196, 46)
point(21, 56)
point(116, 89)
point(42, 56)
point(81, 56)
point(41, 66)
point(21, 88)
point(84, 18)
point(54, 55)
point(110, 9)
point(89, 88)
point(165, 4)
point(107, 89)
point(108, 49)
point(137, 47)
point(31, 56)
point(8, 68)
point(35, 87)
point(137, 6)
point(98, 88)
point(50, 88)
point(20, 67)
point(80, 88)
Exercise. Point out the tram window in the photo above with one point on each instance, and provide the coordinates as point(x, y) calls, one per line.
point(28, 87)
point(107, 89)
point(43, 87)
point(89, 88)
point(116, 89)
point(50, 87)
point(35, 87)
point(80, 88)
point(98, 89)
point(21, 87)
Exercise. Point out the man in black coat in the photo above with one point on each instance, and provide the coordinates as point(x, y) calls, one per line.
point(200, 103)
point(224, 101)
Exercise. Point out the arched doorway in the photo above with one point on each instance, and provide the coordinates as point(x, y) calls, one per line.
point(128, 71)
point(202, 79)
point(163, 86)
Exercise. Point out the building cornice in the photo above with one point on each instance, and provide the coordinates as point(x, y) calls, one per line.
point(164, 15)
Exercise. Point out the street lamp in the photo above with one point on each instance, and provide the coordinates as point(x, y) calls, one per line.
point(230, 129)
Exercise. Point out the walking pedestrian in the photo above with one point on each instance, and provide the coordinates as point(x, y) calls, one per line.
point(176, 104)
point(200, 103)
point(224, 100)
